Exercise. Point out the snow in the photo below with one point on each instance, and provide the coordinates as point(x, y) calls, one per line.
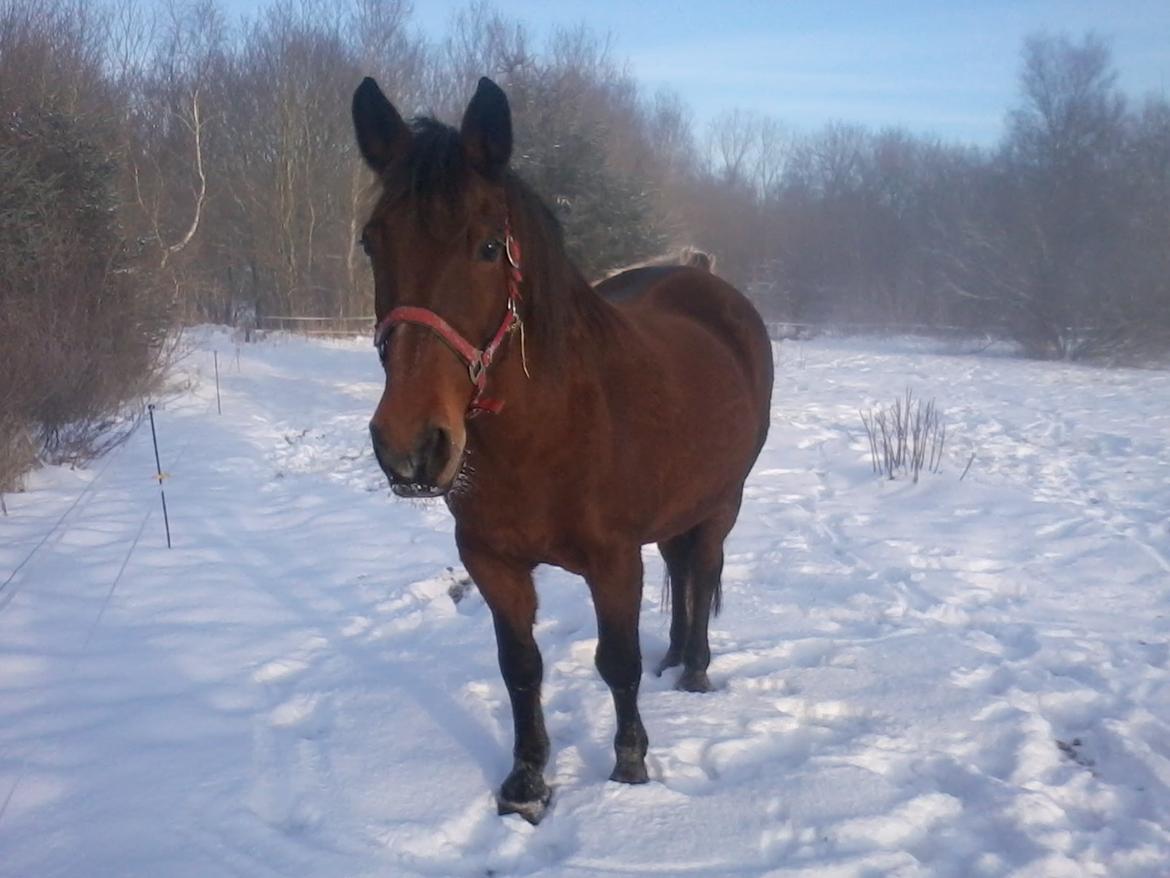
point(950, 678)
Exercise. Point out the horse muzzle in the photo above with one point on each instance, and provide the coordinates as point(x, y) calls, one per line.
point(426, 471)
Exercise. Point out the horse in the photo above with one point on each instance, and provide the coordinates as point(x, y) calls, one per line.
point(562, 424)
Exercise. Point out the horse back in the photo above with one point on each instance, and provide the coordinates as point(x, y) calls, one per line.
point(660, 301)
point(633, 282)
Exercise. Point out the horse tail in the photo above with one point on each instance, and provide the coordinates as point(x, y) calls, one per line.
point(716, 596)
point(687, 255)
point(696, 258)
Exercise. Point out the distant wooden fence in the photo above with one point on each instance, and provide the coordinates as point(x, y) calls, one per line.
point(318, 325)
point(782, 330)
point(778, 329)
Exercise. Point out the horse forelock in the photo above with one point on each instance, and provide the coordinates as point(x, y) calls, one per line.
point(431, 177)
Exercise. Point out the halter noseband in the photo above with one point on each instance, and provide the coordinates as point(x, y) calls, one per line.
point(477, 359)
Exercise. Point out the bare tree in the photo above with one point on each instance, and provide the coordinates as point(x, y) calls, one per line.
point(1061, 155)
point(732, 138)
point(772, 150)
point(190, 119)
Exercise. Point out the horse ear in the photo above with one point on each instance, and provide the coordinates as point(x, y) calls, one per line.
point(487, 129)
point(382, 136)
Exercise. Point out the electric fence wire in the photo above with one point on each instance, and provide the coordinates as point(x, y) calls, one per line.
point(6, 596)
point(6, 599)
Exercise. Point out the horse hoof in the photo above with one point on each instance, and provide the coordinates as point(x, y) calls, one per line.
point(670, 660)
point(630, 772)
point(694, 681)
point(533, 811)
point(524, 793)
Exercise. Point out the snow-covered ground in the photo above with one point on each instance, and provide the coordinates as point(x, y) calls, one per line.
point(967, 678)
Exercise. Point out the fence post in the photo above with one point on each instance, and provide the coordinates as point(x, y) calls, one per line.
point(158, 470)
point(218, 408)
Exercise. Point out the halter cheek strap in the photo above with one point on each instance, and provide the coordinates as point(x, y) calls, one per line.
point(477, 359)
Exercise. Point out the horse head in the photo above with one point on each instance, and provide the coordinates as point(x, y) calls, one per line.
point(446, 278)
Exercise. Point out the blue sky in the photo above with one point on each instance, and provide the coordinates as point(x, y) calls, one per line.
point(943, 67)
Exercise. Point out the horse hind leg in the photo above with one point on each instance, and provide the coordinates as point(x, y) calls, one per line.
point(676, 553)
point(704, 594)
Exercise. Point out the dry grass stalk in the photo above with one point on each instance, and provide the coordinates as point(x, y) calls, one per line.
point(905, 438)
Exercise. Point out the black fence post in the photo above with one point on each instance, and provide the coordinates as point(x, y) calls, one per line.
point(218, 407)
point(158, 470)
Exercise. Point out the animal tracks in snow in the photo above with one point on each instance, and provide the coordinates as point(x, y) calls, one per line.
point(943, 679)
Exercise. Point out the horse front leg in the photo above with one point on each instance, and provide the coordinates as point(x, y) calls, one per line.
point(508, 590)
point(616, 585)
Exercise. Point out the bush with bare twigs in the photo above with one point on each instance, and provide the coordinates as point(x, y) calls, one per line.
point(81, 327)
point(905, 438)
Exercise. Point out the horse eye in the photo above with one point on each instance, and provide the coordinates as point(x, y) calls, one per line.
point(491, 250)
point(381, 343)
point(365, 242)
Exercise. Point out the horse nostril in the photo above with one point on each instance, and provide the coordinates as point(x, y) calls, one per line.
point(392, 464)
point(422, 468)
point(434, 452)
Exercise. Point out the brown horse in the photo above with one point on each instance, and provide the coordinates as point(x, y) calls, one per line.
point(590, 422)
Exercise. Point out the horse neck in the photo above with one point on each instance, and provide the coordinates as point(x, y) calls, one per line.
point(561, 340)
point(548, 382)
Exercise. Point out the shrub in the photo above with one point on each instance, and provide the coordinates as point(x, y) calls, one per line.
point(80, 328)
point(906, 437)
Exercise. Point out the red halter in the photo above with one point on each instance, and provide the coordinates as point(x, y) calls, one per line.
point(477, 359)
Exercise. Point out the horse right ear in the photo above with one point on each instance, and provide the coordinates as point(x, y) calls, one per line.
point(486, 131)
point(382, 136)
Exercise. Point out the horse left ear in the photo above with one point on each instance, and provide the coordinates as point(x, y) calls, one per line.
point(382, 136)
point(487, 130)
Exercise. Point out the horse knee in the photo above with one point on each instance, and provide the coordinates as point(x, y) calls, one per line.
point(620, 665)
point(519, 656)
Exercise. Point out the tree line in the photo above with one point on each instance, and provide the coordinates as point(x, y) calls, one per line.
point(160, 166)
point(1058, 237)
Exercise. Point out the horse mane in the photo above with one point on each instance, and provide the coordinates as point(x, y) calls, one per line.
point(555, 290)
point(434, 175)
